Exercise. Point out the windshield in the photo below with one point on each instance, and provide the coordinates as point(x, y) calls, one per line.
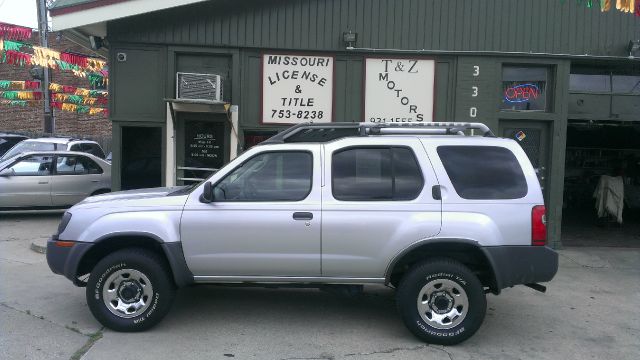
point(27, 146)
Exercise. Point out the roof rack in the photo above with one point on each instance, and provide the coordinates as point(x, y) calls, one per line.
point(313, 132)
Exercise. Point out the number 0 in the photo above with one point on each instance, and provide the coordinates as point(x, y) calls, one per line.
point(475, 91)
point(476, 70)
point(473, 112)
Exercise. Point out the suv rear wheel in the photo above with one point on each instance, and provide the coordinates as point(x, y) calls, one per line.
point(130, 290)
point(441, 302)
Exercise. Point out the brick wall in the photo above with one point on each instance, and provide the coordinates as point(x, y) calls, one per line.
point(29, 119)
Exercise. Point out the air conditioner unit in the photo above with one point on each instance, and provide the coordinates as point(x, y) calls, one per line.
point(199, 86)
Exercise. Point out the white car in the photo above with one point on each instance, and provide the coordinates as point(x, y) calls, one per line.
point(55, 144)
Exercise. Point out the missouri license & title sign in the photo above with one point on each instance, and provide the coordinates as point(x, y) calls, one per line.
point(297, 88)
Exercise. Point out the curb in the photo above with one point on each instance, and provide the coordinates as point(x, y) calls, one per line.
point(39, 246)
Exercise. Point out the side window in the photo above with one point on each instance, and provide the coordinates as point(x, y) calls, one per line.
point(89, 165)
point(271, 176)
point(483, 172)
point(376, 173)
point(75, 147)
point(93, 149)
point(36, 165)
point(70, 165)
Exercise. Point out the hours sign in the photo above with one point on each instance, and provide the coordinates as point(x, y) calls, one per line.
point(399, 90)
point(296, 88)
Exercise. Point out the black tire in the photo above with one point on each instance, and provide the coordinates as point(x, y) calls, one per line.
point(129, 264)
point(428, 276)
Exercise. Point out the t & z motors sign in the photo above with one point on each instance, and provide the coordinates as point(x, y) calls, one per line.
point(399, 90)
point(296, 88)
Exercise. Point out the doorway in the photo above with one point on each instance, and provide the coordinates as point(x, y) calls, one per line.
point(602, 184)
point(202, 146)
point(533, 137)
point(141, 157)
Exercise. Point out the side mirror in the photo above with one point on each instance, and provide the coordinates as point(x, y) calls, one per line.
point(7, 172)
point(207, 193)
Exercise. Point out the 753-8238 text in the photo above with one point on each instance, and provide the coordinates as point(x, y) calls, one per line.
point(296, 114)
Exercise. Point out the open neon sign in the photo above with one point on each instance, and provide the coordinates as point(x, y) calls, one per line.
point(521, 93)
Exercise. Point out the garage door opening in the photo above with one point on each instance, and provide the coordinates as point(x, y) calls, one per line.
point(601, 204)
point(141, 157)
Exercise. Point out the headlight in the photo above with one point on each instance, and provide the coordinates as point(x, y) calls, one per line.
point(64, 222)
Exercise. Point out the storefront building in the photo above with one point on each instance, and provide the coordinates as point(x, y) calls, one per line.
point(193, 83)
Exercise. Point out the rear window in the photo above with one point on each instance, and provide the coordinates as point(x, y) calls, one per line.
point(27, 146)
point(483, 172)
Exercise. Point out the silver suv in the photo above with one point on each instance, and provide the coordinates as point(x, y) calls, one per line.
point(55, 144)
point(440, 216)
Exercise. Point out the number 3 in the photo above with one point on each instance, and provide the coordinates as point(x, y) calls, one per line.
point(476, 70)
point(475, 91)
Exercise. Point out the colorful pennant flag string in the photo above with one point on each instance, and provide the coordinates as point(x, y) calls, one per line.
point(79, 99)
point(21, 95)
point(66, 89)
point(22, 103)
point(626, 6)
point(80, 109)
point(14, 52)
point(15, 32)
point(19, 85)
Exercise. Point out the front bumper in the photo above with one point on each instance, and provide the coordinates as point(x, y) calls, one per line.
point(516, 265)
point(65, 260)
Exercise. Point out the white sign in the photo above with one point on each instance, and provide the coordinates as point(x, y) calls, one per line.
point(296, 88)
point(399, 90)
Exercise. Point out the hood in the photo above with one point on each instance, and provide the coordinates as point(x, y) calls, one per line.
point(137, 194)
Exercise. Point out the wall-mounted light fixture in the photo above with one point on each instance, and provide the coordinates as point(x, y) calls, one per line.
point(349, 38)
point(633, 48)
point(96, 42)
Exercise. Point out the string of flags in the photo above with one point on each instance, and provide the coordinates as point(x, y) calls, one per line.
point(19, 85)
point(57, 88)
point(23, 54)
point(21, 103)
point(14, 51)
point(21, 95)
point(15, 32)
point(626, 6)
point(80, 109)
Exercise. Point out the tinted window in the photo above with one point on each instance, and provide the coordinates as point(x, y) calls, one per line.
point(8, 143)
point(36, 165)
point(272, 176)
point(483, 172)
point(76, 165)
point(75, 147)
point(369, 174)
point(93, 149)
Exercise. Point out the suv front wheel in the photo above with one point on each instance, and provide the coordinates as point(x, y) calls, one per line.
point(441, 301)
point(130, 290)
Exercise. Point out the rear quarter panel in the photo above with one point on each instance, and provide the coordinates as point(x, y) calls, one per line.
point(488, 222)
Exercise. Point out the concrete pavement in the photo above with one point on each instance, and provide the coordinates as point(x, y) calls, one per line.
point(591, 310)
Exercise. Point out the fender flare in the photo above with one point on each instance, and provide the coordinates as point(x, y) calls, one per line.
point(171, 250)
point(445, 241)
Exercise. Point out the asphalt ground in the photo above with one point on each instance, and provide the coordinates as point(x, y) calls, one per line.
point(590, 311)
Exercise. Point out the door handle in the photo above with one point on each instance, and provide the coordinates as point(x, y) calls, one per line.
point(42, 182)
point(95, 180)
point(302, 216)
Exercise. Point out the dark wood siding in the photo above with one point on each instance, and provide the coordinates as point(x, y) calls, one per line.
point(541, 26)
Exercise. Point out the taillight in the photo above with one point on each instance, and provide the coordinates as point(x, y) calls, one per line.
point(538, 226)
